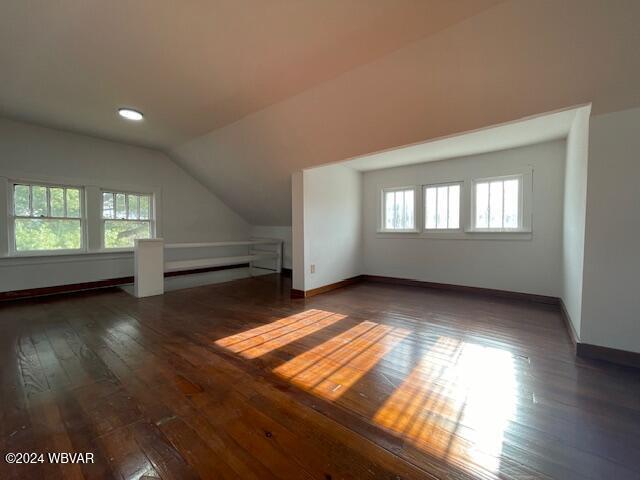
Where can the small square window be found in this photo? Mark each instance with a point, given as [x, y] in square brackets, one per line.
[442, 206]
[398, 209]
[498, 204]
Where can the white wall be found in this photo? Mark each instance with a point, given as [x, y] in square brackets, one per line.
[529, 263]
[611, 291]
[299, 246]
[574, 213]
[189, 211]
[332, 225]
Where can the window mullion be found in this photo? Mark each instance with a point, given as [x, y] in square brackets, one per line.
[30, 201]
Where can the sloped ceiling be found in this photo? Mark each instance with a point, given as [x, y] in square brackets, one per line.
[244, 92]
[527, 131]
[517, 59]
[191, 66]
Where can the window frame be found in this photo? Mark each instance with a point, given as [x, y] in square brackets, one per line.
[382, 213]
[11, 217]
[523, 225]
[460, 228]
[102, 219]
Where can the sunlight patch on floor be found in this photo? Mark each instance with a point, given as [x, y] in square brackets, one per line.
[331, 368]
[455, 404]
[266, 338]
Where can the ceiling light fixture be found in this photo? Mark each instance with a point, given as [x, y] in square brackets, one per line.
[130, 114]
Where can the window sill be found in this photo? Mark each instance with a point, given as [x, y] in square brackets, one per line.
[397, 231]
[64, 253]
[46, 253]
[448, 235]
[498, 230]
[67, 257]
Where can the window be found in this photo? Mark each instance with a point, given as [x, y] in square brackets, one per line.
[46, 217]
[125, 217]
[498, 203]
[442, 207]
[398, 209]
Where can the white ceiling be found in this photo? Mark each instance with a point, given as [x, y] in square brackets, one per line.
[527, 131]
[517, 59]
[191, 66]
[242, 93]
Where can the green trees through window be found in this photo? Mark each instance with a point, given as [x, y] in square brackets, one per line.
[50, 217]
[126, 216]
[46, 234]
[47, 218]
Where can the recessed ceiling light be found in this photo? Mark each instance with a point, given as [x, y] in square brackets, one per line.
[130, 114]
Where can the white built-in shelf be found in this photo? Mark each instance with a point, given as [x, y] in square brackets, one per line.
[150, 265]
[223, 244]
[179, 265]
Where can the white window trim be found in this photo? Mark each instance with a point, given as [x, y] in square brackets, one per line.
[92, 205]
[11, 218]
[467, 214]
[102, 220]
[416, 210]
[525, 196]
[460, 213]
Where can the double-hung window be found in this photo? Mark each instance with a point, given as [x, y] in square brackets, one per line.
[398, 209]
[498, 203]
[125, 217]
[442, 206]
[46, 218]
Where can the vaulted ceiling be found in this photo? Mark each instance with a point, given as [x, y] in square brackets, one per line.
[191, 66]
[517, 59]
[242, 93]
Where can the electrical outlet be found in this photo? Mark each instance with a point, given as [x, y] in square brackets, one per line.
[313, 268]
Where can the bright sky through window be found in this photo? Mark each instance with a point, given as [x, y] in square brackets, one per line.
[399, 208]
[442, 207]
[497, 204]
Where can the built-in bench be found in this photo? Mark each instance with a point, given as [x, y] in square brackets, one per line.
[150, 264]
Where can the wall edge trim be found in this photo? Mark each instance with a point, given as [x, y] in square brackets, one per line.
[106, 283]
[568, 325]
[625, 358]
[531, 297]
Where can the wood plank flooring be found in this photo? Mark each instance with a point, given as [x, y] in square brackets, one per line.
[371, 381]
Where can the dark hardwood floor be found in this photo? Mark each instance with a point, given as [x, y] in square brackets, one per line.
[370, 381]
